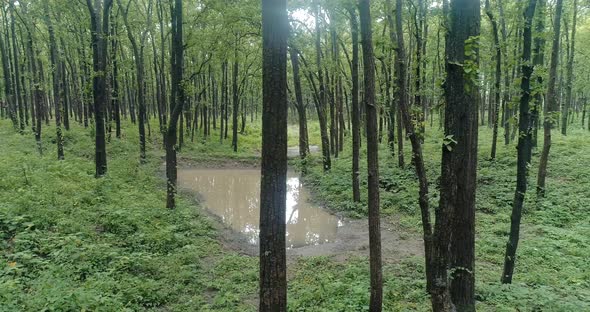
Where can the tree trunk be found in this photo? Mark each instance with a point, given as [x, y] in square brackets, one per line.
[570, 73]
[15, 53]
[524, 145]
[459, 153]
[498, 78]
[273, 184]
[177, 102]
[538, 60]
[56, 87]
[321, 98]
[303, 137]
[551, 107]
[376, 301]
[236, 100]
[356, 132]
[99, 29]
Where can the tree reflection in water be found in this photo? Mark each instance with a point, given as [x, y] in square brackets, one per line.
[234, 194]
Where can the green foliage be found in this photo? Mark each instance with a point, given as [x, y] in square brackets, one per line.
[70, 242]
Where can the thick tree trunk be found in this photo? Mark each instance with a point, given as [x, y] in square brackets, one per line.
[273, 186]
[524, 145]
[459, 153]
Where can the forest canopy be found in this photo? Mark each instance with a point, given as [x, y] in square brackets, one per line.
[447, 142]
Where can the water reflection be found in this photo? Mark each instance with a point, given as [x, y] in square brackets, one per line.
[233, 195]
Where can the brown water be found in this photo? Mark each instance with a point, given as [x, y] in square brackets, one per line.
[234, 195]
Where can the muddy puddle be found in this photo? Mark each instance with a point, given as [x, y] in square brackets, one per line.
[234, 194]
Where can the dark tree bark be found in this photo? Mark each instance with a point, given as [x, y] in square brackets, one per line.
[321, 97]
[356, 132]
[236, 100]
[570, 73]
[551, 107]
[115, 100]
[99, 28]
[301, 108]
[273, 186]
[57, 91]
[16, 68]
[459, 154]
[538, 61]
[8, 90]
[498, 78]
[139, 59]
[177, 102]
[524, 145]
[437, 288]
[376, 301]
[34, 62]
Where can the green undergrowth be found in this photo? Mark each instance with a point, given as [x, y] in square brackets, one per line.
[71, 242]
[551, 270]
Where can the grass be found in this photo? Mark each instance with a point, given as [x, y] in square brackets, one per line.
[70, 242]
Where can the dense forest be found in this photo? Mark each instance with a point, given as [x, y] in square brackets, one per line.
[386, 155]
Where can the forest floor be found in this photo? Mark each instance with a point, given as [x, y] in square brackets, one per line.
[70, 242]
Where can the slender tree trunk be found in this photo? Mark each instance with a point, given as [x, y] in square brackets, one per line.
[321, 98]
[570, 73]
[16, 68]
[439, 291]
[538, 61]
[498, 78]
[524, 145]
[100, 25]
[56, 87]
[376, 301]
[177, 102]
[551, 107]
[236, 101]
[303, 137]
[356, 133]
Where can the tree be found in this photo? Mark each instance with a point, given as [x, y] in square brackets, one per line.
[57, 89]
[459, 152]
[320, 100]
[356, 132]
[570, 72]
[497, 75]
[177, 102]
[301, 108]
[273, 185]
[551, 107]
[372, 157]
[99, 21]
[524, 145]
[138, 56]
[16, 67]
